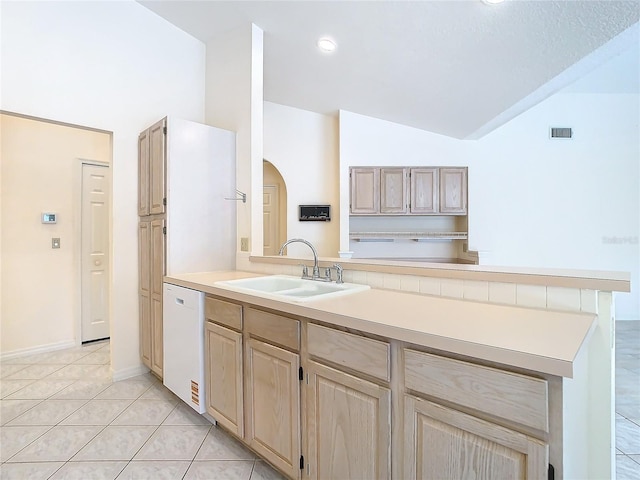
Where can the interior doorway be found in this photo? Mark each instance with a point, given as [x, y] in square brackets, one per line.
[40, 232]
[271, 220]
[274, 209]
[95, 252]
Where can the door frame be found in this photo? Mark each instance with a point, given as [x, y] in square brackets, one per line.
[77, 200]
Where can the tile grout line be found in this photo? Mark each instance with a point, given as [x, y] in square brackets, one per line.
[111, 424]
[53, 426]
[40, 402]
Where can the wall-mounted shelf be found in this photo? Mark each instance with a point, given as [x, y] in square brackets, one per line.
[415, 236]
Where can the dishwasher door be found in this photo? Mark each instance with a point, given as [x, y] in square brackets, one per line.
[183, 343]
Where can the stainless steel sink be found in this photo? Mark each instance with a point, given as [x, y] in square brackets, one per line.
[291, 288]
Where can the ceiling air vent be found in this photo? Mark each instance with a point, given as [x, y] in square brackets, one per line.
[561, 132]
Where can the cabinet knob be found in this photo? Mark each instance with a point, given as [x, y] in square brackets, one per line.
[98, 263]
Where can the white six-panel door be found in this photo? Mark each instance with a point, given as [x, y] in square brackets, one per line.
[271, 220]
[95, 252]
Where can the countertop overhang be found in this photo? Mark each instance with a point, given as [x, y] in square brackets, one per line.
[539, 340]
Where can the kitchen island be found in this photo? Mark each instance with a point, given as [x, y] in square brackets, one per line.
[374, 378]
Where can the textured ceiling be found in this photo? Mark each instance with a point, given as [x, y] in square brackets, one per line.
[454, 67]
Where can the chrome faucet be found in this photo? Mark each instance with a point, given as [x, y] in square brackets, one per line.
[315, 275]
[316, 270]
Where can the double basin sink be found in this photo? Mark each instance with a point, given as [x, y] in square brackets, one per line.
[291, 288]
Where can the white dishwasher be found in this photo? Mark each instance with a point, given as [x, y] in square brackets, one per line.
[183, 344]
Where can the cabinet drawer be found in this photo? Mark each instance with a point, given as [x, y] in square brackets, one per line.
[225, 313]
[358, 353]
[506, 395]
[282, 331]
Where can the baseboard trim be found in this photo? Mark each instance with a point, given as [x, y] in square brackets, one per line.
[25, 352]
[125, 373]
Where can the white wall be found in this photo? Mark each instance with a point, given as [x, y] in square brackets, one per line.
[114, 66]
[41, 289]
[533, 201]
[234, 70]
[560, 203]
[303, 146]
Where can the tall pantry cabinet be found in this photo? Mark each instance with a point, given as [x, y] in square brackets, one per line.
[185, 171]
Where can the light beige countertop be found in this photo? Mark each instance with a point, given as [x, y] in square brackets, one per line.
[534, 339]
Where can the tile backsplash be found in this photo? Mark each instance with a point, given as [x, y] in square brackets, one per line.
[535, 296]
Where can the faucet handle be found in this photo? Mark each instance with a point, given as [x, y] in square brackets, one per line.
[305, 270]
[327, 273]
[338, 268]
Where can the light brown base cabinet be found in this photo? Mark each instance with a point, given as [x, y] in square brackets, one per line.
[223, 367]
[321, 403]
[273, 405]
[348, 426]
[151, 265]
[441, 442]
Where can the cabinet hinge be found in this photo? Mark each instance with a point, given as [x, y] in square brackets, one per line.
[551, 473]
[164, 230]
[301, 462]
[164, 201]
[164, 129]
[300, 374]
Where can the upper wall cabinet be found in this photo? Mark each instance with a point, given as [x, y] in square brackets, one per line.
[424, 191]
[151, 169]
[393, 191]
[408, 191]
[365, 191]
[453, 191]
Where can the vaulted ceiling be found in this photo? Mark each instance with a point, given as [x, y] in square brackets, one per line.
[458, 67]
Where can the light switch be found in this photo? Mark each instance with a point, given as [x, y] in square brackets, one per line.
[55, 243]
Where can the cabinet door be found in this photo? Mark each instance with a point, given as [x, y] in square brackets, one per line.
[348, 426]
[365, 191]
[157, 165]
[453, 191]
[143, 174]
[144, 287]
[424, 190]
[273, 405]
[223, 376]
[445, 443]
[157, 272]
[393, 190]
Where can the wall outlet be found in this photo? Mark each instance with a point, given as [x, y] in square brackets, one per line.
[244, 244]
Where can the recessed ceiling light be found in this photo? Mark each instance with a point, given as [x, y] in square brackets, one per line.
[326, 44]
[492, 2]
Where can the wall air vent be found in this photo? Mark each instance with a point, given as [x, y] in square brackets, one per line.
[561, 132]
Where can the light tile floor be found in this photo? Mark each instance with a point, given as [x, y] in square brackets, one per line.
[628, 400]
[61, 417]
